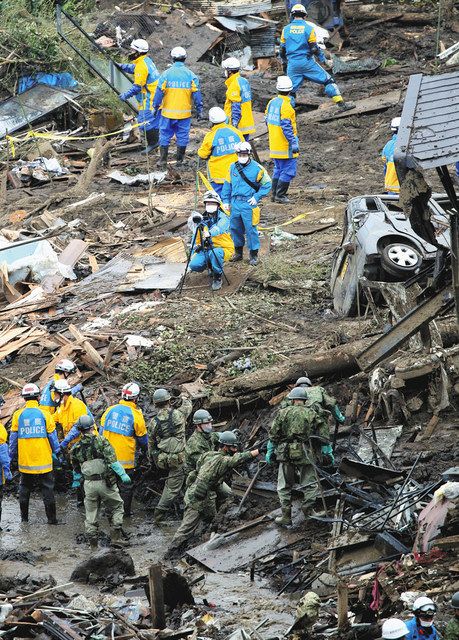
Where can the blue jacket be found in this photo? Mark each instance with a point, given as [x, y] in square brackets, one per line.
[299, 41]
[419, 633]
[235, 187]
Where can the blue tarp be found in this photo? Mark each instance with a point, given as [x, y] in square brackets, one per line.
[60, 80]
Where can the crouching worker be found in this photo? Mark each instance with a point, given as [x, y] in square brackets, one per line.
[94, 461]
[213, 244]
[201, 495]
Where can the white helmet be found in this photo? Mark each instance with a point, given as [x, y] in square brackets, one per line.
[395, 123]
[65, 366]
[231, 64]
[393, 629]
[299, 8]
[178, 53]
[140, 45]
[243, 147]
[30, 390]
[424, 604]
[217, 115]
[62, 386]
[284, 83]
[211, 196]
[130, 391]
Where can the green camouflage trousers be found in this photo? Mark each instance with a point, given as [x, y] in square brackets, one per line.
[96, 495]
[290, 475]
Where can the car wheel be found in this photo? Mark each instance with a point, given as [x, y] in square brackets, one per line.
[400, 259]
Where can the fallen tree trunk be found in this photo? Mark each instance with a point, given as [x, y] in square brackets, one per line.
[340, 360]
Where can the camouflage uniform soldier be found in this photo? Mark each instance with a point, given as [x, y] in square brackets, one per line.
[200, 442]
[319, 399]
[201, 495]
[94, 461]
[289, 439]
[166, 436]
[452, 628]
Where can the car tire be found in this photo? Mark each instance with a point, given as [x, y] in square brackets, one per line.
[400, 259]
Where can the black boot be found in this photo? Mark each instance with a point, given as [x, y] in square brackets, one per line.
[281, 195]
[152, 136]
[345, 106]
[217, 282]
[180, 155]
[24, 507]
[50, 509]
[238, 253]
[253, 258]
[163, 153]
[275, 182]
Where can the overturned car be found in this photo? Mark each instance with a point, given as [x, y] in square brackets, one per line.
[380, 244]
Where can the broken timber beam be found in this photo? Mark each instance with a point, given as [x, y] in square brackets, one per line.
[92, 354]
[367, 105]
[155, 583]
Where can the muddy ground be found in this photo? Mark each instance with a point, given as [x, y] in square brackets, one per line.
[288, 293]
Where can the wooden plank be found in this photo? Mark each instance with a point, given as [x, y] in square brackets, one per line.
[155, 583]
[92, 354]
[69, 257]
[367, 105]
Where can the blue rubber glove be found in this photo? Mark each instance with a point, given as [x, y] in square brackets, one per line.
[77, 388]
[119, 470]
[76, 480]
[270, 452]
[295, 147]
[327, 454]
[338, 415]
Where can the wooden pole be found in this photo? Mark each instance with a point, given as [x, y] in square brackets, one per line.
[343, 602]
[155, 581]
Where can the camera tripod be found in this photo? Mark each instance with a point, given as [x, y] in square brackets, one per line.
[206, 245]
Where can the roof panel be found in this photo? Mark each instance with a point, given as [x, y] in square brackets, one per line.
[428, 136]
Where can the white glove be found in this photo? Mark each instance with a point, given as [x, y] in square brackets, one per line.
[252, 202]
[206, 233]
[226, 206]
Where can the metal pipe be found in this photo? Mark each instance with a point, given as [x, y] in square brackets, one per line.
[400, 492]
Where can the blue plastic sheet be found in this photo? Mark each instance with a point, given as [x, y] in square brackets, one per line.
[60, 80]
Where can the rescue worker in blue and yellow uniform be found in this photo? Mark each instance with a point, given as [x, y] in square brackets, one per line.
[178, 88]
[123, 425]
[5, 471]
[63, 370]
[218, 148]
[34, 443]
[246, 184]
[213, 244]
[145, 81]
[298, 50]
[238, 102]
[69, 409]
[283, 140]
[391, 183]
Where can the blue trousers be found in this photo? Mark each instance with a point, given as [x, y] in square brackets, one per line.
[201, 260]
[241, 226]
[285, 169]
[168, 128]
[216, 187]
[147, 120]
[309, 69]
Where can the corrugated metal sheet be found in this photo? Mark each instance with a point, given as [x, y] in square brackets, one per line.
[429, 130]
[263, 42]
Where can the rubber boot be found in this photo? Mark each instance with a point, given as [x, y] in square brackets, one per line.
[217, 282]
[285, 520]
[93, 543]
[180, 155]
[345, 106]
[118, 538]
[253, 258]
[24, 507]
[163, 153]
[238, 254]
[274, 189]
[51, 513]
[281, 195]
[152, 136]
[159, 515]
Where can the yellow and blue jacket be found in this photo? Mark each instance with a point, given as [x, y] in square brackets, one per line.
[391, 182]
[178, 88]
[218, 149]
[4, 455]
[282, 131]
[123, 425]
[299, 41]
[219, 232]
[238, 104]
[145, 81]
[33, 439]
